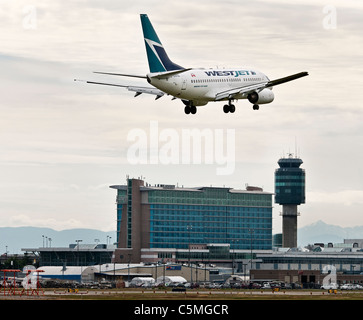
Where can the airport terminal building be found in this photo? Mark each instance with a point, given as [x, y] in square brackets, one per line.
[178, 224]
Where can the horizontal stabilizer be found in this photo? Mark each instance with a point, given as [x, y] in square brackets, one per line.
[139, 90]
[167, 73]
[121, 74]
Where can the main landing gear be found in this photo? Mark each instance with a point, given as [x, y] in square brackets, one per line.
[256, 107]
[190, 109]
[229, 108]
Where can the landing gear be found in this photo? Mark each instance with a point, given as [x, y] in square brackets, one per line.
[256, 107]
[229, 108]
[190, 109]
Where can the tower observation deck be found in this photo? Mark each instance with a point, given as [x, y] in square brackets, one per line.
[289, 192]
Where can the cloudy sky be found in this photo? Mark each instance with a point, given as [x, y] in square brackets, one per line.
[63, 143]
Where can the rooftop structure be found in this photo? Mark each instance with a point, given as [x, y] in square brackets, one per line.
[75, 255]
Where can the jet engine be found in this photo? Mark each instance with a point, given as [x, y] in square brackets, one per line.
[265, 96]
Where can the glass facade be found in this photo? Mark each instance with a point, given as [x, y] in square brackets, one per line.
[181, 217]
[121, 203]
[129, 212]
[74, 257]
[342, 262]
[177, 226]
[119, 217]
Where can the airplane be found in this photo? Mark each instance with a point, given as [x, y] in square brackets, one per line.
[198, 86]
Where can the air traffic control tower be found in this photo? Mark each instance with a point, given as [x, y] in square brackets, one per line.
[289, 192]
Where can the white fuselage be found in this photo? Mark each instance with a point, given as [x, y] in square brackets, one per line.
[203, 85]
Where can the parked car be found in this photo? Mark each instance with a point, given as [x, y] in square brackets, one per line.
[347, 286]
[286, 286]
[266, 285]
[296, 286]
[275, 285]
[254, 285]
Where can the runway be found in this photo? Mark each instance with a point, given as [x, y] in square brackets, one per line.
[207, 294]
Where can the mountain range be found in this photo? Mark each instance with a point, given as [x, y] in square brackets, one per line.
[323, 232]
[13, 239]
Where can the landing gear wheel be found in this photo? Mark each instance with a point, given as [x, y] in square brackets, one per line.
[229, 108]
[193, 109]
[256, 107]
[187, 110]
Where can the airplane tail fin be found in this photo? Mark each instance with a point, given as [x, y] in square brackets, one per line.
[156, 54]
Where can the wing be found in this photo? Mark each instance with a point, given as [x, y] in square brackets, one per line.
[287, 79]
[244, 91]
[138, 90]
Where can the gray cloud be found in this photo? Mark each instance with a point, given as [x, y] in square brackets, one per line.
[57, 134]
